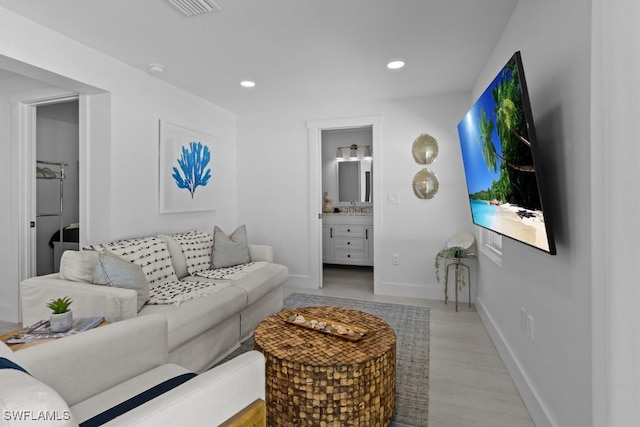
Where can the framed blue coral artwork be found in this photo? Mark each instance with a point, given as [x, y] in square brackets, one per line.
[187, 173]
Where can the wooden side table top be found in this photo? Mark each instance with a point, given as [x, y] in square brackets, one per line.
[297, 344]
[31, 343]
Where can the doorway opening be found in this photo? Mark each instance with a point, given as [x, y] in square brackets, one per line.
[347, 211]
[316, 199]
[57, 184]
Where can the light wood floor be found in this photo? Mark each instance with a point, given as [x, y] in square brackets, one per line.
[468, 383]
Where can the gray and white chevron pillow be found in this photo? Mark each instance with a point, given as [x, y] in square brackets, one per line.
[111, 270]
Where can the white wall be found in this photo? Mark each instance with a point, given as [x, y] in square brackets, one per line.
[615, 151]
[8, 224]
[552, 371]
[273, 185]
[129, 188]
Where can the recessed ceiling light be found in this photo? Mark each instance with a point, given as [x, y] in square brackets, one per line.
[156, 68]
[247, 83]
[395, 65]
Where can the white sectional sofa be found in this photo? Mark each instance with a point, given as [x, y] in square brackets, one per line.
[82, 378]
[201, 331]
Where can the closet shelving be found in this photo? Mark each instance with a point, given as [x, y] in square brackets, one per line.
[44, 171]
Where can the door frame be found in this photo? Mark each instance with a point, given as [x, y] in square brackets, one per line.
[315, 128]
[24, 155]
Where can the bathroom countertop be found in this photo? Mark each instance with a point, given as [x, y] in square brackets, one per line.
[345, 218]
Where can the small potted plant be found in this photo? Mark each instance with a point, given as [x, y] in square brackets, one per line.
[61, 317]
[456, 253]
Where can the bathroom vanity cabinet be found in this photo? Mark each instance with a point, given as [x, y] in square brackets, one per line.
[347, 239]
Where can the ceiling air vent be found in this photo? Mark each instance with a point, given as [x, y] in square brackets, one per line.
[194, 7]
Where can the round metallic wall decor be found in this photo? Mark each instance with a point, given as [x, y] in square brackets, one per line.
[425, 184]
[424, 149]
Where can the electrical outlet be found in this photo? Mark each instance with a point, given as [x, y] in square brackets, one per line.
[523, 319]
[395, 259]
[530, 327]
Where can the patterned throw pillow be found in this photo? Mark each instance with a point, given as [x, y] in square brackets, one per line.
[150, 253]
[111, 270]
[230, 250]
[197, 248]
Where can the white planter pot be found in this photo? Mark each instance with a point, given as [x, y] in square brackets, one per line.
[61, 322]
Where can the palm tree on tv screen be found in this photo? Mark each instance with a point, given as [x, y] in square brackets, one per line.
[488, 149]
[489, 152]
[517, 183]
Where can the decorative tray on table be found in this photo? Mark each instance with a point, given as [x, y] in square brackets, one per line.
[324, 326]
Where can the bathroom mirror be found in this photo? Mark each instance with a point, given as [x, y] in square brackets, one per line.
[354, 181]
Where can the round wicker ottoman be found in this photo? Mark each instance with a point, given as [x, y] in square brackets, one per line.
[314, 379]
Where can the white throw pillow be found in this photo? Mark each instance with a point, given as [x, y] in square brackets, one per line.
[26, 401]
[178, 259]
[78, 266]
[230, 250]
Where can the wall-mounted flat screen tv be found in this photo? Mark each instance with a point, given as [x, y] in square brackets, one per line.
[500, 156]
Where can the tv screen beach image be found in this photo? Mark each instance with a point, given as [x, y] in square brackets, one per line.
[497, 146]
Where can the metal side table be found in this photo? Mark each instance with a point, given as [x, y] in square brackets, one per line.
[457, 264]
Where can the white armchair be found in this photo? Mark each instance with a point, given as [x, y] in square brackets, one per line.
[73, 379]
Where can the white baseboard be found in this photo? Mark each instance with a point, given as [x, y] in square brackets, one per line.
[9, 313]
[302, 281]
[409, 290]
[539, 413]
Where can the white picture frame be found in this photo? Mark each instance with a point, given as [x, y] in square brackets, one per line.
[187, 180]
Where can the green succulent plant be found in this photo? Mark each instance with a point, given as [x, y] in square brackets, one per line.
[60, 305]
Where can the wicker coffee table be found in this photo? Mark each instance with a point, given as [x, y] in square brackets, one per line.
[314, 379]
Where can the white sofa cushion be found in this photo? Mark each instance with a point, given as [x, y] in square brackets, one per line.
[193, 317]
[78, 266]
[92, 362]
[260, 282]
[209, 399]
[230, 250]
[123, 391]
[177, 257]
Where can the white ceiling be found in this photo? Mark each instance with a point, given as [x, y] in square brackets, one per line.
[299, 52]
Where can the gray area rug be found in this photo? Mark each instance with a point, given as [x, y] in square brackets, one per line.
[411, 325]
